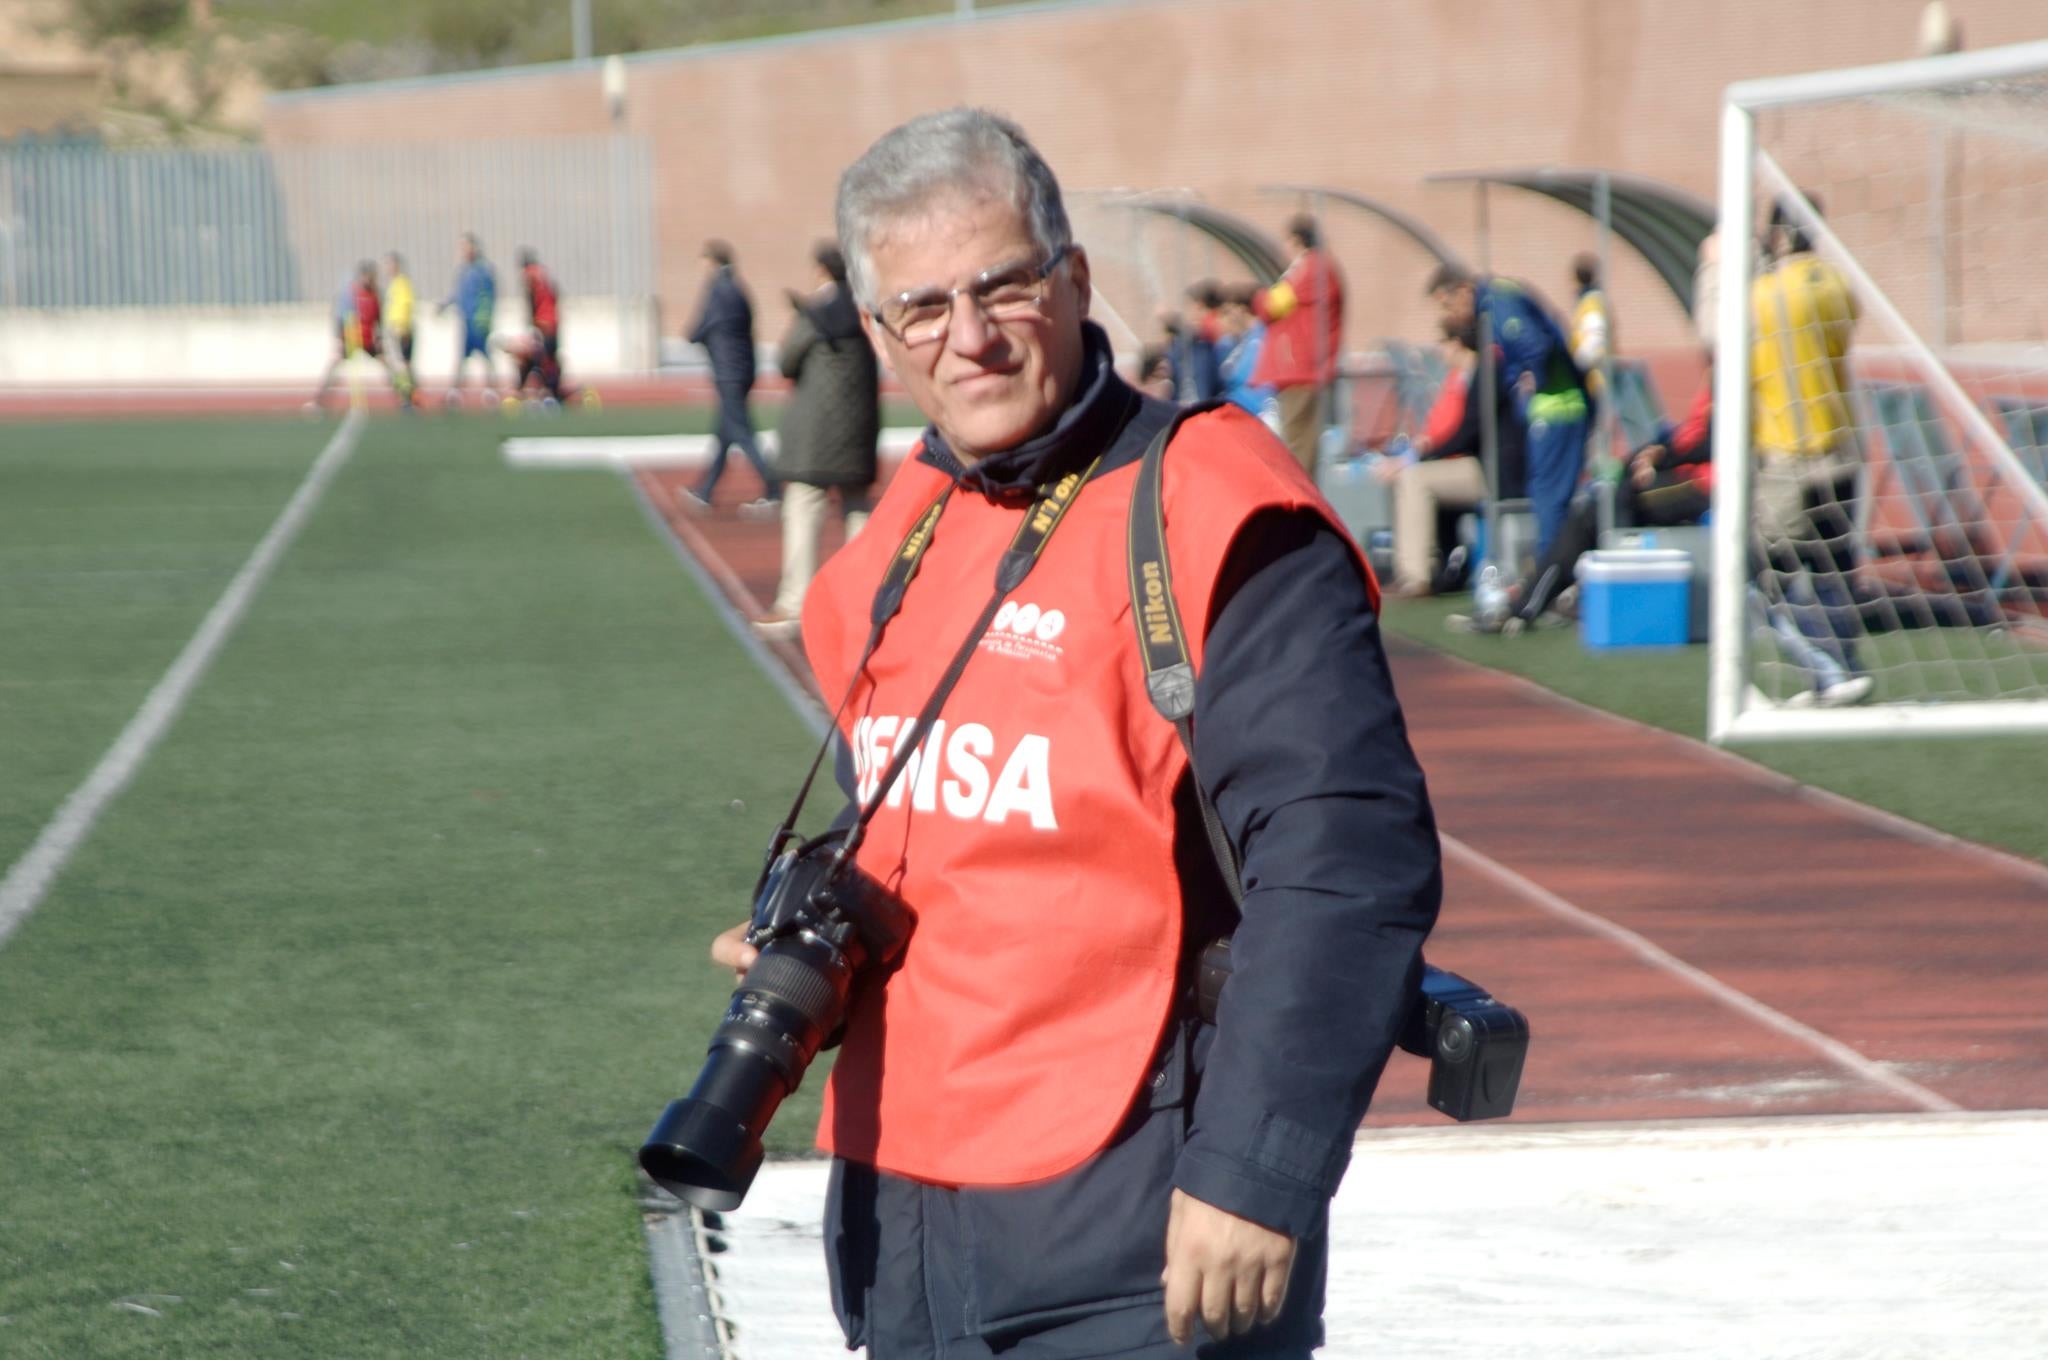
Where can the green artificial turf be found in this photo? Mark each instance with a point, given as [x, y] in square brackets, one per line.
[338, 1036]
[1988, 789]
[114, 542]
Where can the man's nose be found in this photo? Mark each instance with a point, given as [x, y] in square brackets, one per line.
[969, 332]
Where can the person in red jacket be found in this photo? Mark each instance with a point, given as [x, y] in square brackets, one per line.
[1304, 316]
[544, 305]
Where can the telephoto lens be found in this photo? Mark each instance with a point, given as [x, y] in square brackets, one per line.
[818, 923]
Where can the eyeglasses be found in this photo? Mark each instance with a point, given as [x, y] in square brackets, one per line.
[922, 316]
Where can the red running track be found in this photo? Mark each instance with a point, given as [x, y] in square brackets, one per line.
[1689, 934]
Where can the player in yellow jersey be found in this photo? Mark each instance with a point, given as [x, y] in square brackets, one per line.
[1592, 328]
[1802, 431]
[399, 304]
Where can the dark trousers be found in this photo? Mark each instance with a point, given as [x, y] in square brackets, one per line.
[1670, 499]
[1065, 1269]
[736, 430]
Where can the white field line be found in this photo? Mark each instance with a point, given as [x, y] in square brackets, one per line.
[31, 876]
[1834, 1050]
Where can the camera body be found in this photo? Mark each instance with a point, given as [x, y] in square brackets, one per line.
[819, 922]
[1475, 1044]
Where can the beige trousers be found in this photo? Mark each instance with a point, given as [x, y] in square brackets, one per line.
[803, 519]
[1418, 491]
[1786, 483]
[1301, 423]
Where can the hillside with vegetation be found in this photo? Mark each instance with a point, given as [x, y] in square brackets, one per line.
[197, 70]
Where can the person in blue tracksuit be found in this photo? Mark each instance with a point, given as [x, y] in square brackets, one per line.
[475, 299]
[1540, 383]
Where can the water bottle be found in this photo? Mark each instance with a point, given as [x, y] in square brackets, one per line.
[1489, 596]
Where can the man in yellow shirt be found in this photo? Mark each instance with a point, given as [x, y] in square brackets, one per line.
[1802, 432]
[399, 301]
[1592, 329]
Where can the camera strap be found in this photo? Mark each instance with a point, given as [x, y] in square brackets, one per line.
[1162, 639]
[1029, 543]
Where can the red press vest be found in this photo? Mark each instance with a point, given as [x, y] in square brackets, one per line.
[1033, 835]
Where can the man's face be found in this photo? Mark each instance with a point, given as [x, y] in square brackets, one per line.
[1454, 309]
[987, 385]
[465, 250]
[391, 266]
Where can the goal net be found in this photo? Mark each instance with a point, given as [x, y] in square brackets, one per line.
[1881, 381]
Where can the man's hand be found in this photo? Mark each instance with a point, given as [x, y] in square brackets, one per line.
[731, 950]
[1643, 467]
[1387, 471]
[1229, 1270]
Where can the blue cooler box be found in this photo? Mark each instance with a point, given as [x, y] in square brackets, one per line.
[1635, 597]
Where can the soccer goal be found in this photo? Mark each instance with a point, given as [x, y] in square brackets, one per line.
[1880, 555]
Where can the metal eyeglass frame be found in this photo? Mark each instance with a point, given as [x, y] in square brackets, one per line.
[1039, 278]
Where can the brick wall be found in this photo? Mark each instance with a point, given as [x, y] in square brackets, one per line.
[1219, 96]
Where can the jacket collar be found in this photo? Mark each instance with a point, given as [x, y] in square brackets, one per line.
[1085, 429]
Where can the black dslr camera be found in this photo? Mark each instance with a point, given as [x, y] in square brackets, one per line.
[818, 922]
[1475, 1044]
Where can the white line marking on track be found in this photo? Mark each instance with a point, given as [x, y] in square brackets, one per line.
[2017, 865]
[715, 579]
[31, 876]
[1834, 1050]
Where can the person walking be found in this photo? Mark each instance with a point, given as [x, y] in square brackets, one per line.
[724, 326]
[828, 431]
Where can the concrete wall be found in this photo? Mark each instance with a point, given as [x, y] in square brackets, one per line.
[257, 346]
[1221, 96]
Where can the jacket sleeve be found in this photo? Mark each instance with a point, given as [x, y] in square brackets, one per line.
[796, 345]
[707, 315]
[1464, 440]
[1300, 740]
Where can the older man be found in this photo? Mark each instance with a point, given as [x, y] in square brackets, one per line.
[1041, 1150]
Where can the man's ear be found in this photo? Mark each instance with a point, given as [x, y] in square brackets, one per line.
[1077, 266]
[874, 335]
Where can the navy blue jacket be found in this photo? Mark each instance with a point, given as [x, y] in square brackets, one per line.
[725, 327]
[1300, 742]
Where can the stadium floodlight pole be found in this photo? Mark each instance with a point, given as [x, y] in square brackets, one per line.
[579, 29]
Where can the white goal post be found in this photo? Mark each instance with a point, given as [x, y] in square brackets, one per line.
[1881, 359]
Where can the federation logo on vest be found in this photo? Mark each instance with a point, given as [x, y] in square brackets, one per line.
[1024, 632]
[950, 773]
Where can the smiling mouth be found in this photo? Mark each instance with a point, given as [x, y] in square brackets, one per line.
[987, 378]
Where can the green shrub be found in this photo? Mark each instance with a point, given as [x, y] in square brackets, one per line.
[145, 19]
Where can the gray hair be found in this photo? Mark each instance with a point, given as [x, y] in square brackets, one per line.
[960, 149]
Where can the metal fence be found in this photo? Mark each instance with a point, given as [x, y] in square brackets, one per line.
[88, 226]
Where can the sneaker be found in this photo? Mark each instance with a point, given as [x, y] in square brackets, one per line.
[761, 508]
[688, 496]
[1844, 693]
